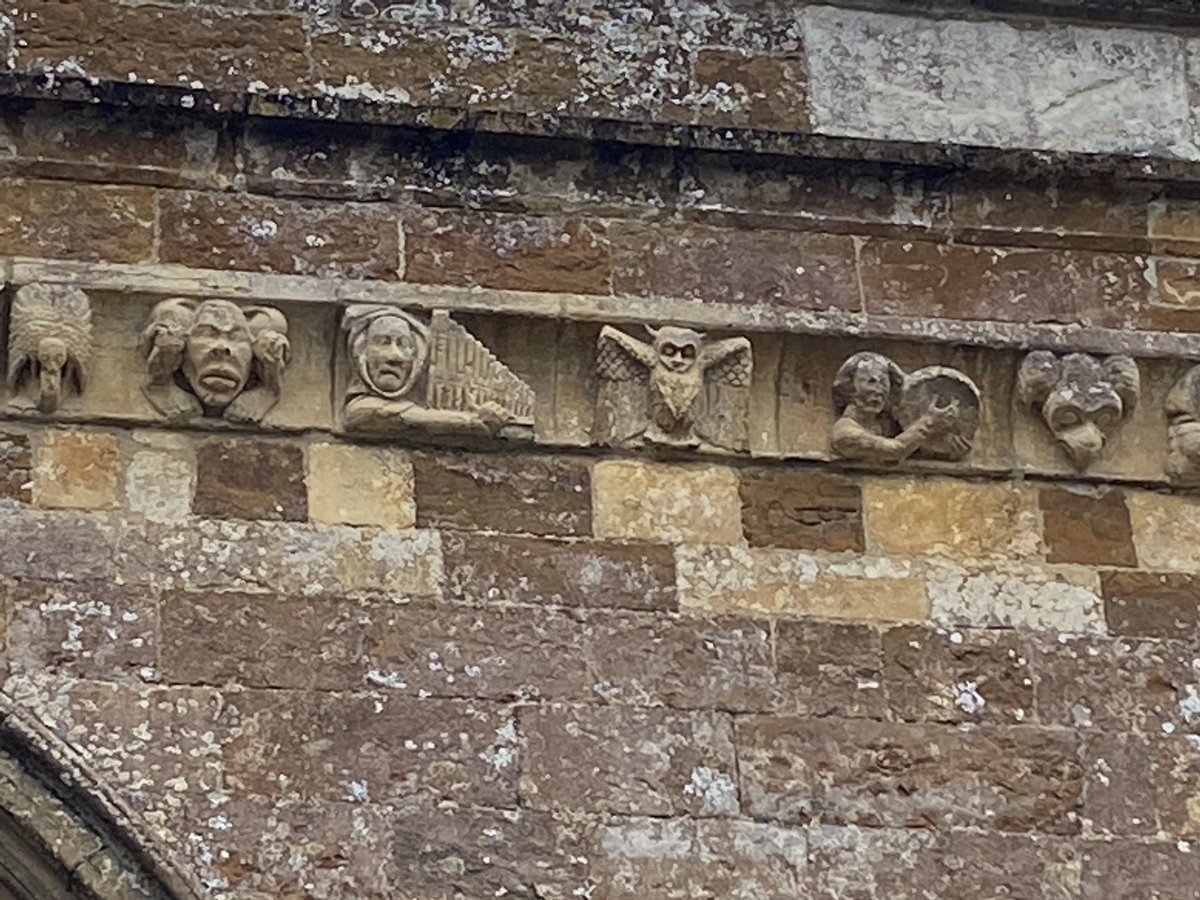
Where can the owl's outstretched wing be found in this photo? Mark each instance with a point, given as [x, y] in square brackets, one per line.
[727, 362]
[620, 357]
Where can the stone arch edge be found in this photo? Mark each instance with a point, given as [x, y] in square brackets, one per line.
[70, 815]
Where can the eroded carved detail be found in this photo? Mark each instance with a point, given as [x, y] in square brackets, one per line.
[1081, 398]
[1183, 429]
[435, 377]
[683, 390]
[49, 345]
[885, 415]
[215, 358]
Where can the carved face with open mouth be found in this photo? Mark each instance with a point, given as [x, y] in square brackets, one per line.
[390, 355]
[220, 352]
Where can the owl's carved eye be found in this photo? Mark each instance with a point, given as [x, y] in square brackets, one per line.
[689, 352]
[669, 350]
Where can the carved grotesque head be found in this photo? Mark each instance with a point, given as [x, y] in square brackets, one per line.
[1081, 398]
[49, 342]
[390, 349]
[677, 348]
[219, 356]
[869, 381]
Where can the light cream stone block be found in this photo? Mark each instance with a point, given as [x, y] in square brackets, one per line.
[1166, 530]
[349, 485]
[671, 503]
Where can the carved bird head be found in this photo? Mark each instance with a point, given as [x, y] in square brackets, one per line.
[677, 348]
[51, 357]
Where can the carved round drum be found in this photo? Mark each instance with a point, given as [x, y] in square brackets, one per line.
[941, 388]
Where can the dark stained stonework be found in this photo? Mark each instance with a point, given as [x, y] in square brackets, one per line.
[249, 479]
[533, 495]
[801, 510]
[1086, 528]
[1151, 604]
[16, 461]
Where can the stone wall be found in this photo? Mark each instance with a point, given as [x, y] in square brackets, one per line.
[459, 650]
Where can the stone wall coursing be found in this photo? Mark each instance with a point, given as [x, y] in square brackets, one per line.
[795, 68]
[471, 675]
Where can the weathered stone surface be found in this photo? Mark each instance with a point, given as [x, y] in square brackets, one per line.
[110, 223]
[250, 479]
[222, 231]
[675, 859]
[1162, 529]
[160, 479]
[378, 747]
[1142, 786]
[628, 761]
[534, 495]
[1092, 529]
[765, 581]
[76, 469]
[957, 676]
[1059, 600]
[1108, 685]
[350, 485]
[514, 252]
[801, 510]
[1164, 871]
[16, 468]
[850, 863]
[914, 79]
[1148, 604]
[830, 669]
[84, 629]
[859, 772]
[397, 65]
[58, 545]
[923, 278]
[447, 852]
[739, 89]
[958, 519]
[214, 48]
[500, 568]
[672, 504]
[790, 269]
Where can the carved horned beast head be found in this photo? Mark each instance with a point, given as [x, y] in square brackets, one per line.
[1082, 398]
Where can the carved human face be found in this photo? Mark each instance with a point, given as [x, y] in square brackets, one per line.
[677, 348]
[220, 351]
[872, 385]
[389, 353]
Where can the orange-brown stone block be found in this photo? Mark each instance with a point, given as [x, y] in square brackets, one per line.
[1086, 528]
[801, 510]
[109, 223]
[76, 469]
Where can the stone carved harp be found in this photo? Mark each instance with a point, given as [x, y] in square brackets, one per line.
[464, 375]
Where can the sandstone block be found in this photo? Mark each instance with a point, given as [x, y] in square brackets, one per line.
[16, 468]
[674, 859]
[531, 495]
[668, 503]
[1060, 600]
[260, 234]
[771, 582]
[1149, 604]
[250, 479]
[109, 223]
[372, 747]
[853, 862]
[160, 483]
[500, 568]
[58, 546]
[748, 90]
[801, 510]
[830, 669]
[400, 65]
[877, 774]
[628, 761]
[1114, 685]
[785, 269]
[83, 629]
[76, 470]
[522, 253]
[932, 675]
[218, 48]
[1142, 786]
[918, 517]
[924, 278]
[350, 485]
[1089, 529]
[1163, 525]
[1164, 870]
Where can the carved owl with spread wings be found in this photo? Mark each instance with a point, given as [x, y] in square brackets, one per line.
[680, 390]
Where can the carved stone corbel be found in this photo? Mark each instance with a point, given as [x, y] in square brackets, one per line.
[885, 415]
[408, 374]
[681, 390]
[49, 345]
[1183, 429]
[1081, 398]
[214, 358]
